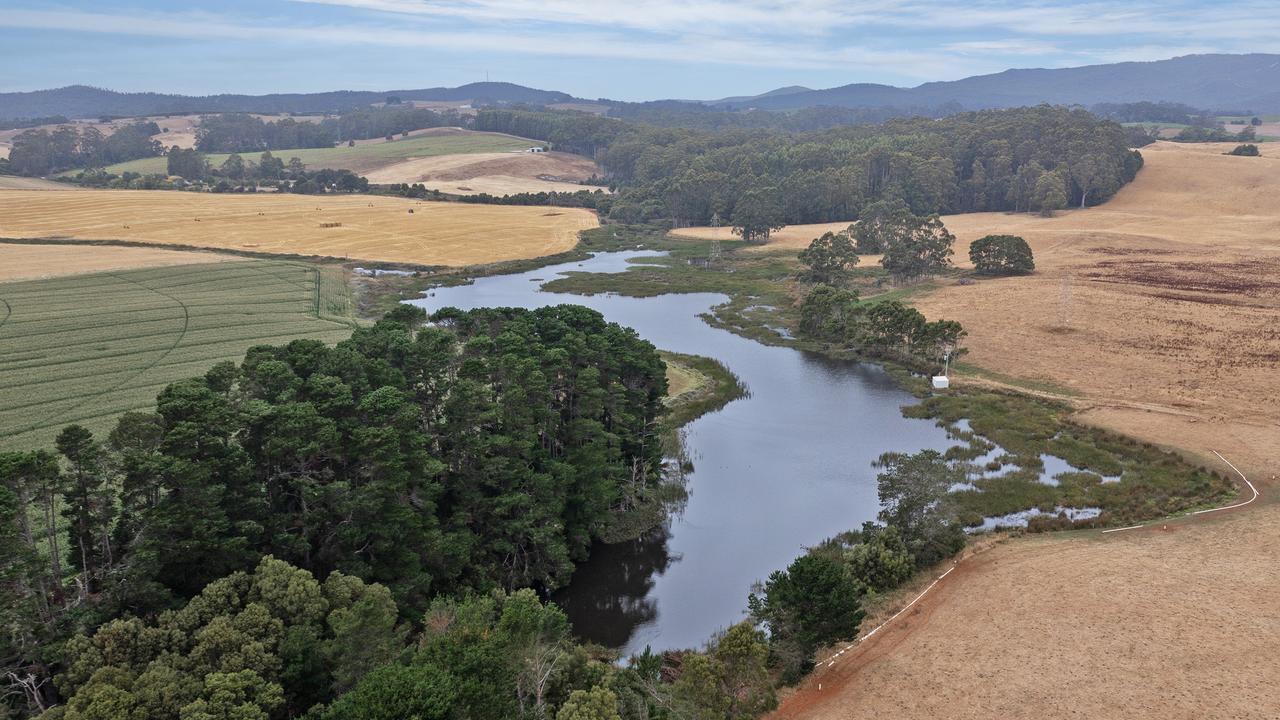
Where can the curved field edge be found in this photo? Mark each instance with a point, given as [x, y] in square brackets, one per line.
[87, 348]
[353, 228]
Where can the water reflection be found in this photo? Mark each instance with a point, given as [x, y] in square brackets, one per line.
[780, 470]
[611, 597]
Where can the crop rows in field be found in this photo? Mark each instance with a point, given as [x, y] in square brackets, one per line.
[87, 348]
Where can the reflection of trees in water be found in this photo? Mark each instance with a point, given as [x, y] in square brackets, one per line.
[608, 598]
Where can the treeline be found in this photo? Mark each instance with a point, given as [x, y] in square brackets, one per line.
[1214, 133]
[1148, 112]
[678, 114]
[989, 160]
[19, 123]
[237, 173]
[235, 132]
[41, 152]
[579, 133]
[597, 199]
[486, 450]
[888, 328]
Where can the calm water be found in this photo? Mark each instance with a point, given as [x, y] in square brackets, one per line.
[773, 473]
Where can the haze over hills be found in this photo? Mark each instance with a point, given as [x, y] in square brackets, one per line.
[78, 101]
[1214, 82]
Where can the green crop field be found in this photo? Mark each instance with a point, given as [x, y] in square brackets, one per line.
[87, 348]
[363, 158]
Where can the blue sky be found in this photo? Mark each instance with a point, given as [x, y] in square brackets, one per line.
[623, 49]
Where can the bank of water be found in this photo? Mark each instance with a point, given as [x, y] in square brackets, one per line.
[774, 472]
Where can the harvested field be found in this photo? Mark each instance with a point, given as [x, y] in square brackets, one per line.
[1143, 625]
[493, 173]
[369, 228]
[22, 261]
[90, 347]
[368, 156]
[1161, 311]
[1167, 295]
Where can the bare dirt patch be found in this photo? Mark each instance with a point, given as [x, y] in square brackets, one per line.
[20, 261]
[494, 173]
[356, 226]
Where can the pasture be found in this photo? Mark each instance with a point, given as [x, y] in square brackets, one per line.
[360, 227]
[84, 349]
[367, 156]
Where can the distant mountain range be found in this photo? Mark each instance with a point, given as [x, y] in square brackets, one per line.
[80, 101]
[1212, 82]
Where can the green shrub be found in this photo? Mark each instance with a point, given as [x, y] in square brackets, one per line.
[1002, 255]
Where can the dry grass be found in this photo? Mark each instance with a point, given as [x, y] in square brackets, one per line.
[1166, 299]
[1161, 309]
[1123, 626]
[35, 262]
[498, 173]
[371, 228]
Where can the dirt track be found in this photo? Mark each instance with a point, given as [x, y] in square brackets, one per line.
[1176, 623]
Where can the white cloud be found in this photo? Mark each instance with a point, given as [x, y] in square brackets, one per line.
[867, 39]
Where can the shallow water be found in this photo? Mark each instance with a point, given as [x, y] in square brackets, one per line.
[780, 470]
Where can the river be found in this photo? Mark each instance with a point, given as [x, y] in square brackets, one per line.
[775, 472]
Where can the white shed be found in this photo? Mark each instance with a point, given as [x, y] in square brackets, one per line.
[941, 382]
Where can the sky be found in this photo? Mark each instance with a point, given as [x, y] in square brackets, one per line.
[619, 49]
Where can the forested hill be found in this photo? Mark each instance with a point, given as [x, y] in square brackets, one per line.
[78, 101]
[1037, 158]
[1235, 83]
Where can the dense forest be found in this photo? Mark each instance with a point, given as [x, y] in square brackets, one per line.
[990, 160]
[361, 531]
[485, 450]
[679, 114]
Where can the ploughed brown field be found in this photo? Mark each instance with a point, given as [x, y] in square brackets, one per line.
[1158, 315]
[359, 227]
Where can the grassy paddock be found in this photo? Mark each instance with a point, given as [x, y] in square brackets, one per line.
[360, 158]
[87, 348]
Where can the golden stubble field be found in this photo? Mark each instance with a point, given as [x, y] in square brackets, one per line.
[22, 261]
[1158, 313]
[358, 227]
